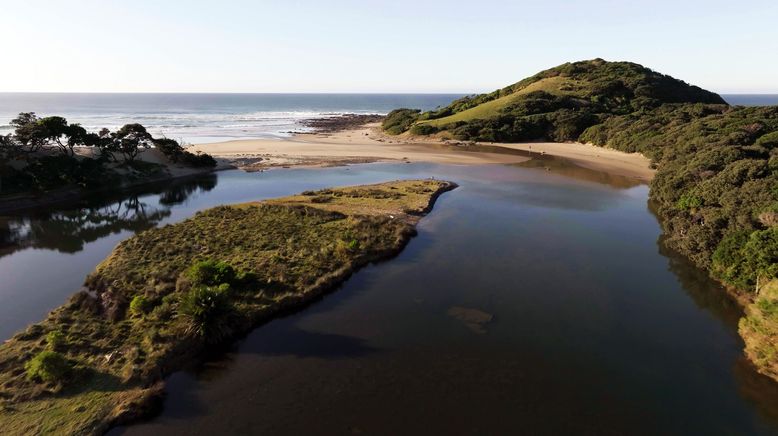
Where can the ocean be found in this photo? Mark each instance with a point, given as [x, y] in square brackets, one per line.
[200, 118]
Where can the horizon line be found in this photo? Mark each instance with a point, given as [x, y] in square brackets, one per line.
[316, 92]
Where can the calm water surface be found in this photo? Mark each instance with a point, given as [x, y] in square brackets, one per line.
[596, 328]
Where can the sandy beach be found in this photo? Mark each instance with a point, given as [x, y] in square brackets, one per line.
[369, 144]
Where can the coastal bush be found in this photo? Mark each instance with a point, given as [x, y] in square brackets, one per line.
[400, 120]
[212, 273]
[130, 140]
[8, 146]
[769, 140]
[174, 151]
[759, 329]
[35, 138]
[140, 305]
[205, 310]
[744, 259]
[34, 133]
[423, 129]
[56, 340]
[689, 201]
[48, 366]
[570, 97]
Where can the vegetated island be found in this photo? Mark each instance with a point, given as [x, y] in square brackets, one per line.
[716, 187]
[48, 159]
[165, 295]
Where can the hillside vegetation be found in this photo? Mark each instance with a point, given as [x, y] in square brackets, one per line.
[716, 188]
[555, 104]
[165, 294]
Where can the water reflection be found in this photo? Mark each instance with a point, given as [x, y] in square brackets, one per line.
[591, 332]
[757, 389]
[554, 164]
[66, 229]
[570, 169]
[709, 295]
[706, 293]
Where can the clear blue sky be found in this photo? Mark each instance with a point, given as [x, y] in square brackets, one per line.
[370, 46]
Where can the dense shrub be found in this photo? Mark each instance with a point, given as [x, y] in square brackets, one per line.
[759, 329]
[56, 340]
[206, 309]
[48, 366]
[688, 201]
[212, 273]
[400, 120]
[744, 258]
[588, 88]
[174, 151]
[423, 129]
[140, 305]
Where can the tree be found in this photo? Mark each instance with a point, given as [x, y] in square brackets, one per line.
[177, 154]
[34, 133]
[131, 140]
[8, 144]
[27, 131]
[56, 131]
[170, 148]
[75, 135]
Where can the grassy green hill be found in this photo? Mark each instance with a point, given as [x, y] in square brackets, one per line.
[555, 104]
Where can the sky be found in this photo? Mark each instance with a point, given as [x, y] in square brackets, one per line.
[396, 46]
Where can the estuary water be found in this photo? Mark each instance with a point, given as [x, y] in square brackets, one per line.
[536, 298]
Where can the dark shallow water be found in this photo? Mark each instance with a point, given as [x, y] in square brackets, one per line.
[596, 327]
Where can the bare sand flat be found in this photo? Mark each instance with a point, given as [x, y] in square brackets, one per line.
[368, 144]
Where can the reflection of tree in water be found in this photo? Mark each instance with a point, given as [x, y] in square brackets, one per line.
[178, 194]
[705, 292]
[67, 229]
[569, 168]
[755, 388]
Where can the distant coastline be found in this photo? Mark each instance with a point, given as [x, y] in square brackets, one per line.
[204, 118]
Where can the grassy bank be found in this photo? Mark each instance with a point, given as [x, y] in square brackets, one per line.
[165, 295]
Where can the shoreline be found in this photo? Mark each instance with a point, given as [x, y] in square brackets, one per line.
[342, 144]
[137, 395]
[26, 201]
[171, 172]
[368, 144]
